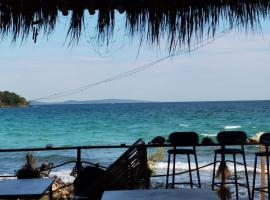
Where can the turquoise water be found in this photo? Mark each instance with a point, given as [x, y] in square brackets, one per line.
[62, 125]
[101, 124]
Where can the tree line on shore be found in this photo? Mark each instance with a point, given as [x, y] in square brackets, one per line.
[12, 99]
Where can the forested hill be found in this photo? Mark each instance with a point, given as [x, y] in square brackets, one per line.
[8, 99]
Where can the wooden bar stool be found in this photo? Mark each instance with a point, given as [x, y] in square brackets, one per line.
[227, 138]
[264, 140]
[181, 139]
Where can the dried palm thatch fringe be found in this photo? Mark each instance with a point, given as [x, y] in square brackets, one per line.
[178, 22]
[224, 193]
[223, 167]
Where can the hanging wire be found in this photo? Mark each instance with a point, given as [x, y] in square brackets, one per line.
[136, 70]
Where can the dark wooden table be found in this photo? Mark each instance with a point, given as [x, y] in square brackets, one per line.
[161, 194]
[25, 188]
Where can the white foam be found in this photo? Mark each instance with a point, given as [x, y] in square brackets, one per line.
[183, 125]
[183, 166]
[209, 135]
[232, 126]
[64, 175]
[180, 166]
[8, 176]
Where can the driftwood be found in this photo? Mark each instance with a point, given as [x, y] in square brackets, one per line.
[29, 170]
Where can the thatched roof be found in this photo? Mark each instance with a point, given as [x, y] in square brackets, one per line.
[177, 21]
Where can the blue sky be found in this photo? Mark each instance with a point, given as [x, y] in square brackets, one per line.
[234, 67]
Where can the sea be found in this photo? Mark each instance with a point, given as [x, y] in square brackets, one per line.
[124, 123]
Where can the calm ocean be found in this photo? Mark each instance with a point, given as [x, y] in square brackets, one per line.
[101, 124]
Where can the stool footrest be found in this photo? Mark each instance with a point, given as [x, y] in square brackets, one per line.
[264, 189]
[231, 161]
[184, 183]
[230, 182]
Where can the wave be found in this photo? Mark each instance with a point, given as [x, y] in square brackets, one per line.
[160, 168]
[183, 166]
[8, 176]
[64, 175]
[209, 135]
[183, 125]
[232, 127]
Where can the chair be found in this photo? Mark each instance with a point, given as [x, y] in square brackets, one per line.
[181, 139]
[264, 140]
[129, 171]
[227, 138]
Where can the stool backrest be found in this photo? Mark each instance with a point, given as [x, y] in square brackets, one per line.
[232, 137]
[183, 138]
[265, 139]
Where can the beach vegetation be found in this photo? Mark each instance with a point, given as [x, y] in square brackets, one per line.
[154, 158]
[29, 170]
[207, 140]
[9, 99]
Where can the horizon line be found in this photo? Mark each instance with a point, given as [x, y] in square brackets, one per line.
[135, 101]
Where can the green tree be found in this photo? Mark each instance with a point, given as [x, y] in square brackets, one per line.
[11, 99]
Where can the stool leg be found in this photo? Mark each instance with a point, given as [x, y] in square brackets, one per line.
[168, 171]
[223, 180]
[50, 193]
[268, 176]
[214, 171]
[197, 169]
[254, 177]
[173, 178]
[190, 175]
[235, 177]
[246, 173]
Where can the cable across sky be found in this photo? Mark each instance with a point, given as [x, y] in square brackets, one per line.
[134, 71]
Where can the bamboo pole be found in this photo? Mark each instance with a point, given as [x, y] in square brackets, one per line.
[262, 172]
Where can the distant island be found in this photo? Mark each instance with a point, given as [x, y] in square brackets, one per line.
[102, 101]
[11, 99]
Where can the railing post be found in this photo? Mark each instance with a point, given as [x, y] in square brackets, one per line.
[78, 166]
